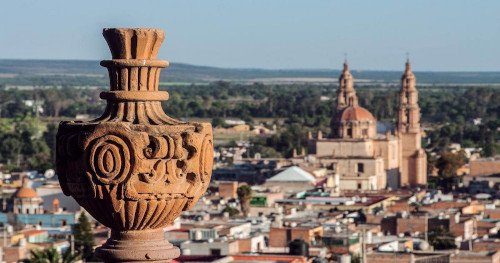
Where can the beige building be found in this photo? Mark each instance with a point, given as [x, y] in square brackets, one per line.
[228, 189]
[364, 159]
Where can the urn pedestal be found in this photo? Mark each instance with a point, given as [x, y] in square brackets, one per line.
[135, 169]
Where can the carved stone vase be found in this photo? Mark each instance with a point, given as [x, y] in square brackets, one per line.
[135, 169]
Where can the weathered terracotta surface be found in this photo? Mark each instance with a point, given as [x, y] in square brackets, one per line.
[135, 169]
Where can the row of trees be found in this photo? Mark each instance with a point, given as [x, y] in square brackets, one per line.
[27, 143]
[466, 134]
[305, 108]
[306, 101]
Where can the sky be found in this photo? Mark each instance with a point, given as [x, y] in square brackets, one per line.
[445, 35]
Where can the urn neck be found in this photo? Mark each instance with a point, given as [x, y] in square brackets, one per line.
[134, 74]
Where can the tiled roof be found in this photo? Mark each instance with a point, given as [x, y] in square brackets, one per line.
[26, 192]
[356, 113]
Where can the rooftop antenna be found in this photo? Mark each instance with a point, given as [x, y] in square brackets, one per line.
[345, 58]
[407, 57]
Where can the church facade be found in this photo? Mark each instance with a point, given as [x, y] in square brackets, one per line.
[362, 159]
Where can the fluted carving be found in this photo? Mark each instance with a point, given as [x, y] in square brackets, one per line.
[135, 169]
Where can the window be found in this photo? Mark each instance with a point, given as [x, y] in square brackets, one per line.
[365, 132]
[359, 186]
[361, 168]
[215, 252]
[349, 132]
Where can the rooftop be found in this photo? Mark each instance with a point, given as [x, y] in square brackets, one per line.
[356, 113]
[293, 174]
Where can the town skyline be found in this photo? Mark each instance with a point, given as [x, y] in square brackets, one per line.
[252, 146]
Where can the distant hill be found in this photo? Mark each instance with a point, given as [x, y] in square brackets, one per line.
[81, 72]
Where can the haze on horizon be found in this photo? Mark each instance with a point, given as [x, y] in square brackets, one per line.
[456, 35]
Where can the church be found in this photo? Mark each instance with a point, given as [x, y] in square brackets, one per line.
[361, 158]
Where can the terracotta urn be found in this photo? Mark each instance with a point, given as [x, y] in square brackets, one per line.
[135, 169]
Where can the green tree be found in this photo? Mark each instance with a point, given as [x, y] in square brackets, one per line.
[448, 164]
[244, 195]
[218, 122]
[40, 160]
[265, 151]
[489, 146]
[68, 257]
[230, 210]
[440, 238]
[10, 148]
[31, 126]
[6, 125]
[355, 258]
[55, 101]
[84, 238]
[50, 255]
[50, 139]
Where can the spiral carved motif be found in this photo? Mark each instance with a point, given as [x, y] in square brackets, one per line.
[206, 160]
[109, 159]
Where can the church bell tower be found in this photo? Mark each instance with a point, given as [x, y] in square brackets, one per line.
[346, 94]
[413, 168]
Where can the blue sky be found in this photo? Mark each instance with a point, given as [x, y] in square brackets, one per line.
[453, 35]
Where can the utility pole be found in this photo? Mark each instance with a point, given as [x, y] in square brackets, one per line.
[4, 237]
[2, 255]
[363, 246]
[426, 235]
[72, 243]
[347, 234]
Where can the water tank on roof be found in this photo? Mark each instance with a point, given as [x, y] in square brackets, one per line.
[369, 237]
[198, 235]
[10, 229]
[423, 245]
[22, 242]
[346, 258]
[298, 247]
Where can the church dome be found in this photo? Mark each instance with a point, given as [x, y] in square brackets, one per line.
[26, 192]
[356, 113]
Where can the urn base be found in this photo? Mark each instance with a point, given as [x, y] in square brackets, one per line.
[137, 246]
